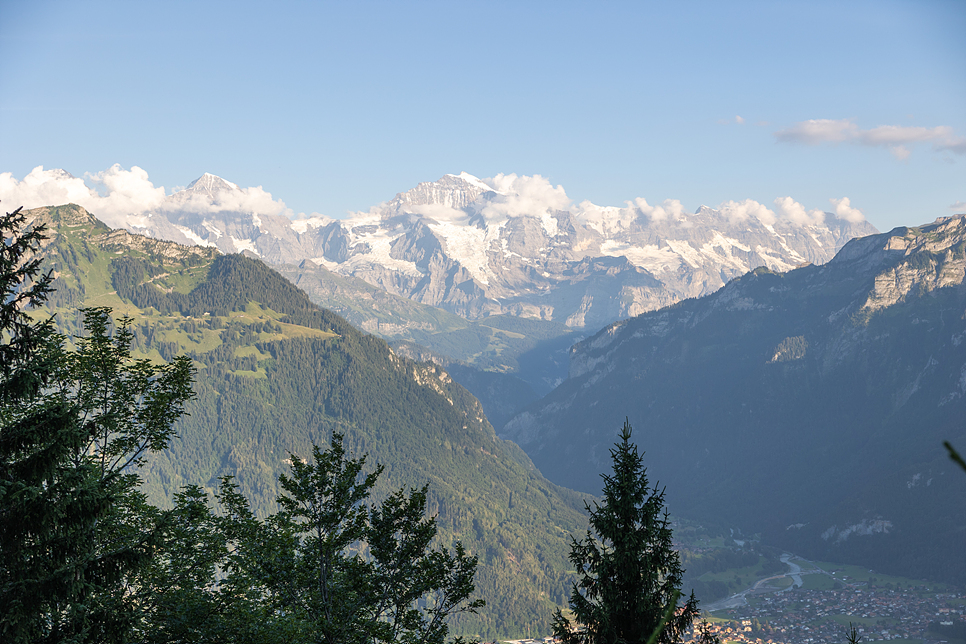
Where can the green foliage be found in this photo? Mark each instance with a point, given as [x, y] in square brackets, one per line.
[45, 504]
[178, 599]
[629, 574]
[127, 406]
[852, 637]
[52, 581]
[339, 570]
[73, 426]
[328, 567]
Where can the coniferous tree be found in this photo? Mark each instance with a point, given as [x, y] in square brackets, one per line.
[45, 506]
[74, 529]
[629, 575]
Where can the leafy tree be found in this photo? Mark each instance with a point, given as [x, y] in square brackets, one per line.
[74, 530]
[339, 570]
[191, 592]
[629, 575]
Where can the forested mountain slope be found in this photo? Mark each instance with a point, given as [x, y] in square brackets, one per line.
[276, 374]
[809, 406]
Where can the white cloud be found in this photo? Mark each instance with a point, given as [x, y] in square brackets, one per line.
[671, 208]
[901, 135]
[959, 205]
[524, 195]
[739, 120]
[126, 191]
[844, 210]
[817, 131]
[42, 188]
[739, 211]
[605, 219]
[895, 137]
[124, 195]
[611, 219]
[900, 152]
[793, 211]
[439, 212]
[254, 200]
[952, 143]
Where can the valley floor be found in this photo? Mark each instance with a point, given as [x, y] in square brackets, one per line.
[814, 603]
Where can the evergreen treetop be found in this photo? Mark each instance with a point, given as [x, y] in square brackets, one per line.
[629, 575]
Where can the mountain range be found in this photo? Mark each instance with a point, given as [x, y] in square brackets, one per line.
[803, 402]
[513, 245]
[807, 406]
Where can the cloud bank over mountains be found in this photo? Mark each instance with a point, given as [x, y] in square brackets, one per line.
[897, 138]
[115, 195]
[507, 244]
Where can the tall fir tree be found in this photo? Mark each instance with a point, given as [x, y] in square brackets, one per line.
[629, 575]
[74, 425]
[46, 506]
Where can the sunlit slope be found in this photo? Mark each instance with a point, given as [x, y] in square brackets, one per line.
[276, 373]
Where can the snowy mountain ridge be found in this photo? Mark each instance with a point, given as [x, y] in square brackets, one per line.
[511, 244]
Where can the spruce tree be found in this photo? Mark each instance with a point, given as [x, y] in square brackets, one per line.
[74, 426]
[629, 575]
[45, 505]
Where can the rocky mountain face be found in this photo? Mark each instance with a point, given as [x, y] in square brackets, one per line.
[511, 245]
[808, 406]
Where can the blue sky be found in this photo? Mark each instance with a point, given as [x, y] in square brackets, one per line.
[334, 107]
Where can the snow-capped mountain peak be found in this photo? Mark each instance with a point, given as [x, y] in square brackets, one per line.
[210, 184]
[451, 191]
[473, 181]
